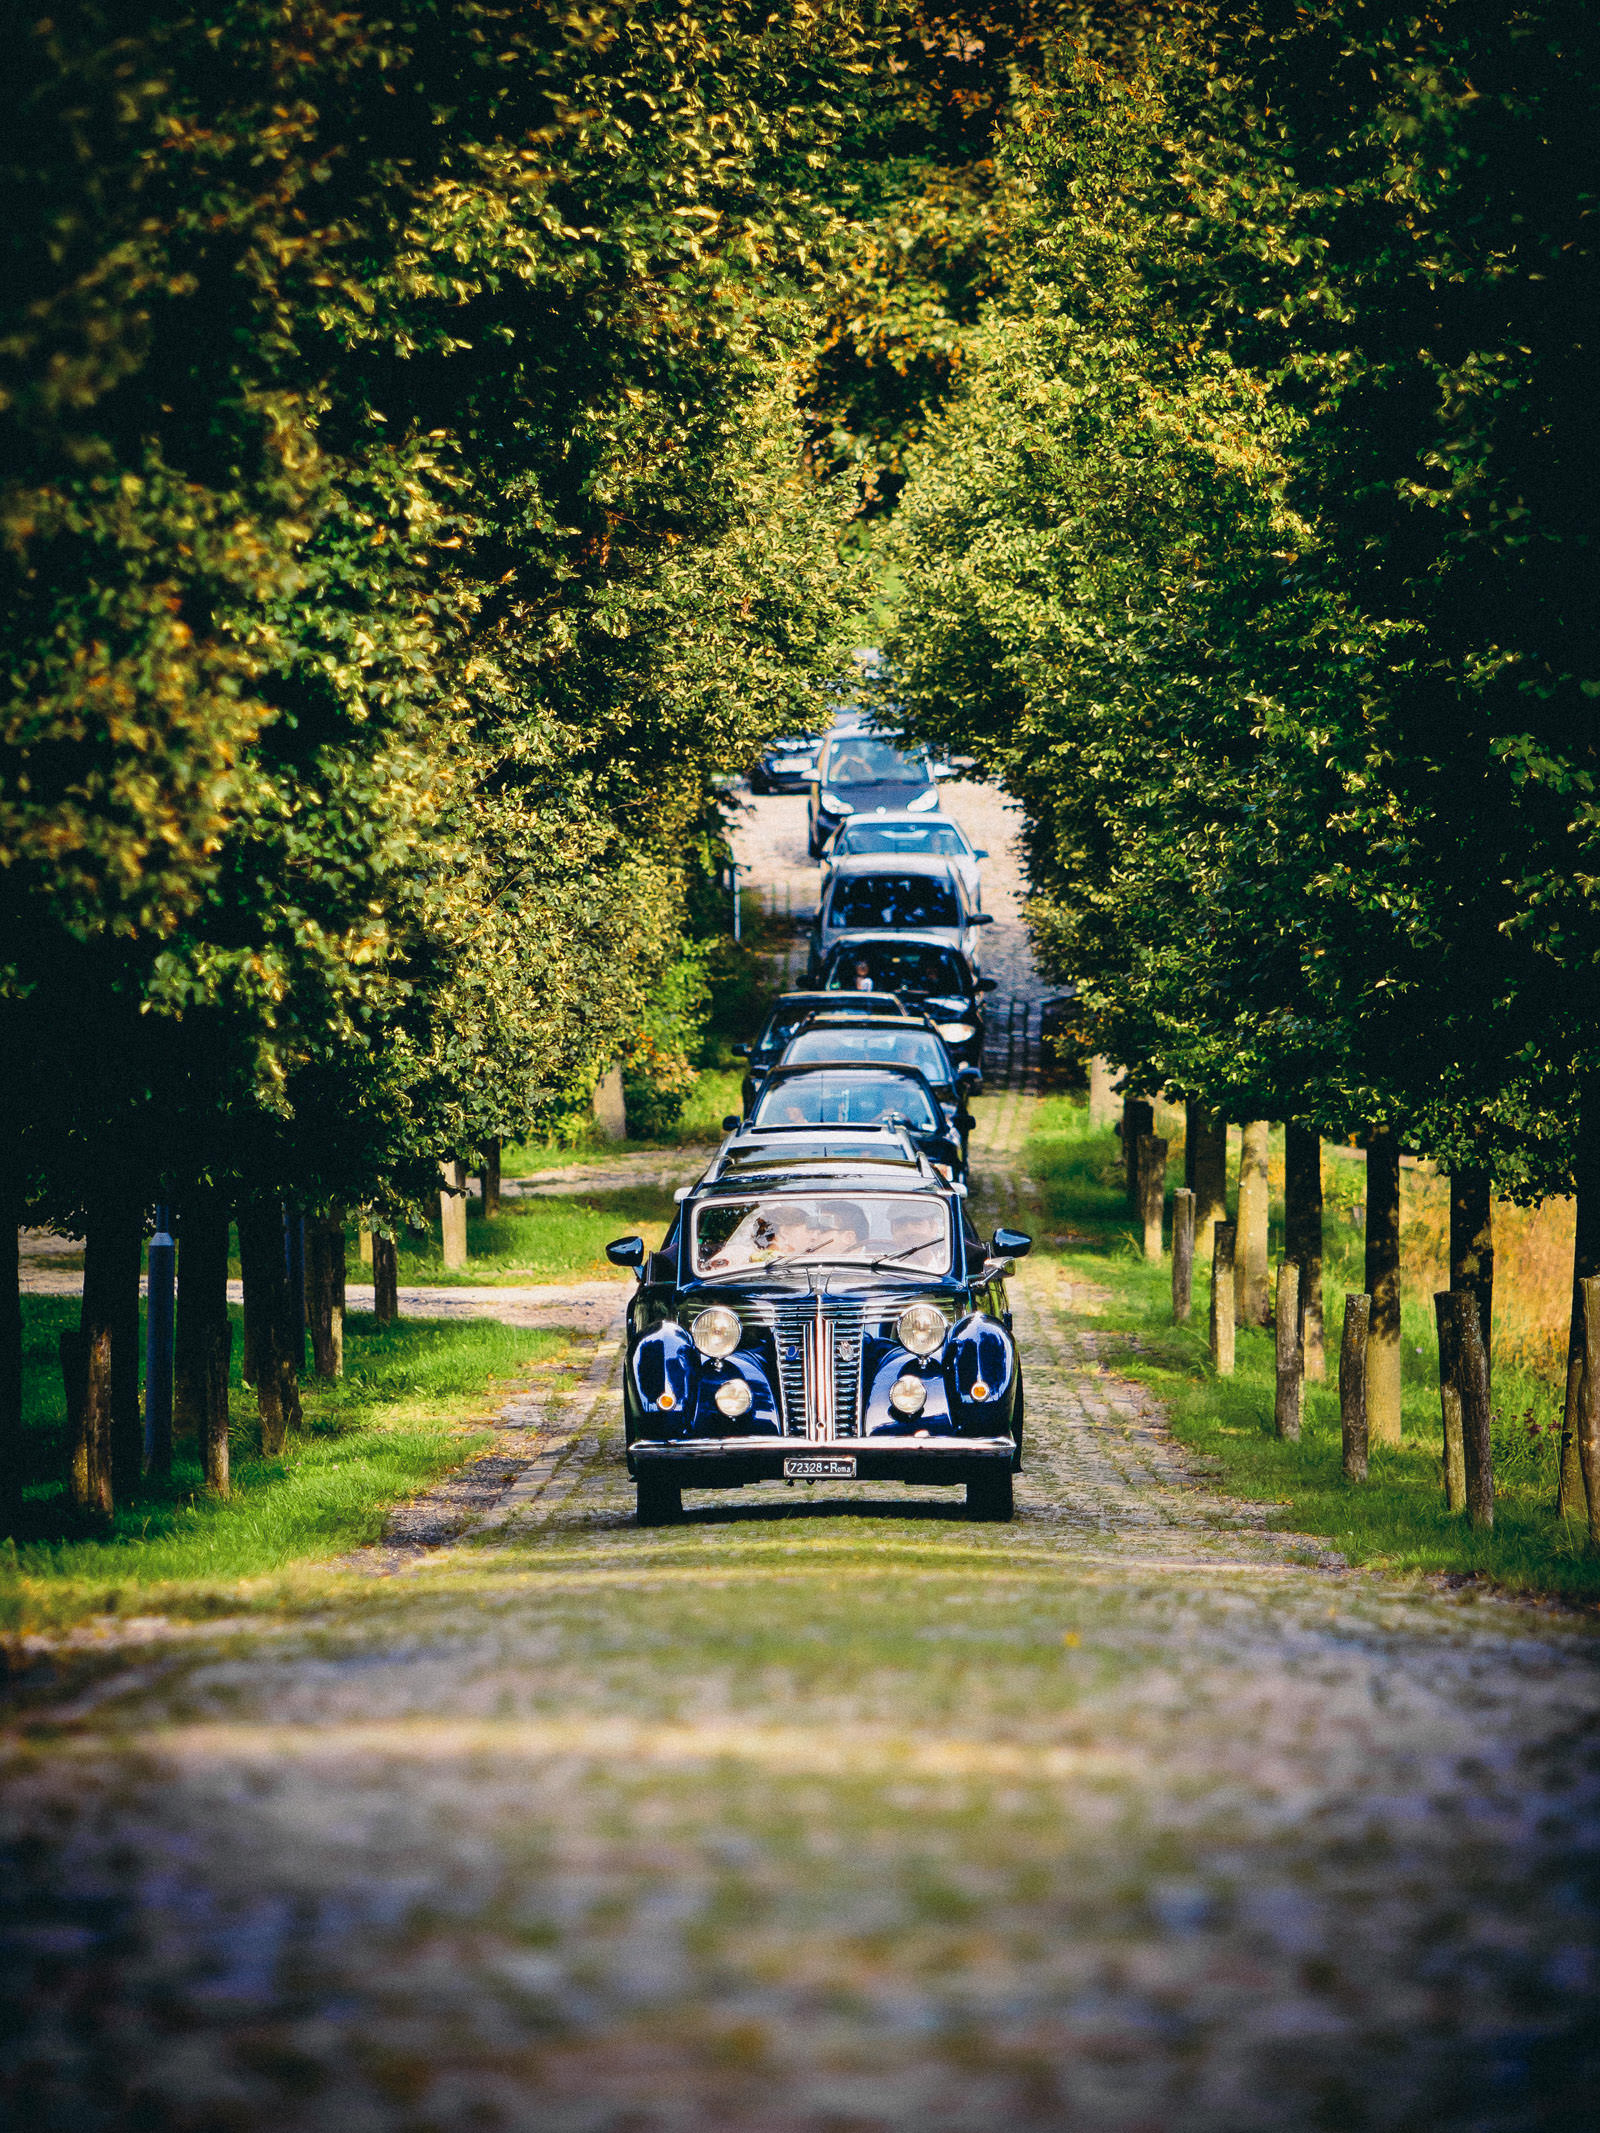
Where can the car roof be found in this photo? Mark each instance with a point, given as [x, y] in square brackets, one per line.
[846, 1066]
[826, 1019]
[855, 940]
[818, 993]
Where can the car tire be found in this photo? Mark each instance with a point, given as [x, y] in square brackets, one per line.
[989, 1496]
[660, 1499]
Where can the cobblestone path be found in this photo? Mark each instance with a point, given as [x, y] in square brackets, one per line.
[809, 1814]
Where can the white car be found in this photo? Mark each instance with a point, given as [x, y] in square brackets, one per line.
[873, 894]
[902, 835]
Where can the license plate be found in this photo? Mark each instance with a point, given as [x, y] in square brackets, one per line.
[819, 1470]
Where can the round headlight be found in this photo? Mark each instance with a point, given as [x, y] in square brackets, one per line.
[908, 1396]
[921, 1328]
[733, 1398]
[956, 1032]
[716, 1331]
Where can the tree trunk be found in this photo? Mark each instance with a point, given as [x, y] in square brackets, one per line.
[125, 1249]
[1102, 1097]
[490, 1174]
[1206, 1135]
[1152, 1193]
[202, 1308]
[1455, 1458]
[453, 1215]
[1383, 1285]
[1472, 1247]
[325, 1294]
[1289, 1392]
[1585, 1265]
[293, 1330]
[1472, 1380]
[385, 1279]
[266, 1315]
[1223, 1236]
[365, 1234]
[1589, 1408]
[1353, 1386]
[10, 1351]
[1302, 1233]
[1138, 1119]
[1250, 1269]
[214, 1461]
[1182, 1255]
[96, 1365]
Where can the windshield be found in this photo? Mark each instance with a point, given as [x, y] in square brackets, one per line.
[942, 840]
[737, 1236]
[850, 1096]
[883, 966]
[918, 1048]
[893, 900]
[858, 759]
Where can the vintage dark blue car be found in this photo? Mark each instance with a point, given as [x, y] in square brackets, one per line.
[822, 1309]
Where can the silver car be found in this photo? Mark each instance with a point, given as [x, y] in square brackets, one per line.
[908, 836]
[875, 895]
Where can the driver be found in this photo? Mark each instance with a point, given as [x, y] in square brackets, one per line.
[917, 1230]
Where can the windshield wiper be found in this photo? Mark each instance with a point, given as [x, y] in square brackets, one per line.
[892, 1258]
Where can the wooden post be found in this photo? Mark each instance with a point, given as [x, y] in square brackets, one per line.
[1383, 1285]
[1353, 1386]
[1455, 1460]
[490, 1174]
[1302, 1232]
[1182, 1255]
[1152, 1192]
[1250, 1259]
[1589, 1407]
[1138, 1119]
[1206, 1169]
[1472, 1380]
[385, 1279]
[1102, 1097]
[453, 1214]
[1223, 1236]
[1289, 1393]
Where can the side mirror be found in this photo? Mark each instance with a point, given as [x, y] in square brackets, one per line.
[977, 854]
[740, 1051]
[1010, 1244]
[626, 1251]
[988, 984]
[732, 1122]
[969, 1077]
[982, 918]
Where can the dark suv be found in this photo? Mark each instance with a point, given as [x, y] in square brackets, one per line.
[867, 773]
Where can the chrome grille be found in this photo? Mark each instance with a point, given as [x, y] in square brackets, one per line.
[819, 1361]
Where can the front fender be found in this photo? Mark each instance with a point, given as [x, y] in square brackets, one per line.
[981, 1351]
[665, 1368]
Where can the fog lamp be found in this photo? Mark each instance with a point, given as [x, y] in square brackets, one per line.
[732, 1398]
[921, 1328]
[716, 1331]
[908, 1396]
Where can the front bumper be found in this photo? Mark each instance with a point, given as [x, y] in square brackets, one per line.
[727, 1462]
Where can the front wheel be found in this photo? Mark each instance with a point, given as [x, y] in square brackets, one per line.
[660, 1499]
[989, 1495]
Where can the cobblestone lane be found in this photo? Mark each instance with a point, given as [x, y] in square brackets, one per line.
[1138, 1814]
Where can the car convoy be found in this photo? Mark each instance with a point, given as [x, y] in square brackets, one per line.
[822, 1307]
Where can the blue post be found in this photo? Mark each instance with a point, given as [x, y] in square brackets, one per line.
[158, 1322]
[294, 1261]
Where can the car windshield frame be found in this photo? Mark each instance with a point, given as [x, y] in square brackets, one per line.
[829, 1215]
[894, 766]
[948, 960]
[913, 1035]
[914, 840]
[845, 1077]
[895, 899]
[769, 1041]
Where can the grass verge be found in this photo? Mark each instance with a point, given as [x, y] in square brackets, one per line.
[406, 1412]
[1397, 1519]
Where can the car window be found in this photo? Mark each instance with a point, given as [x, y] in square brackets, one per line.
[858, 759]
[738, 1236]
[940, 840]
[884, 966]
[893, 900]
[918, 1048]
[851, 1096]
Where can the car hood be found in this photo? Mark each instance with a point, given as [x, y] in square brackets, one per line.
[893, 799]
